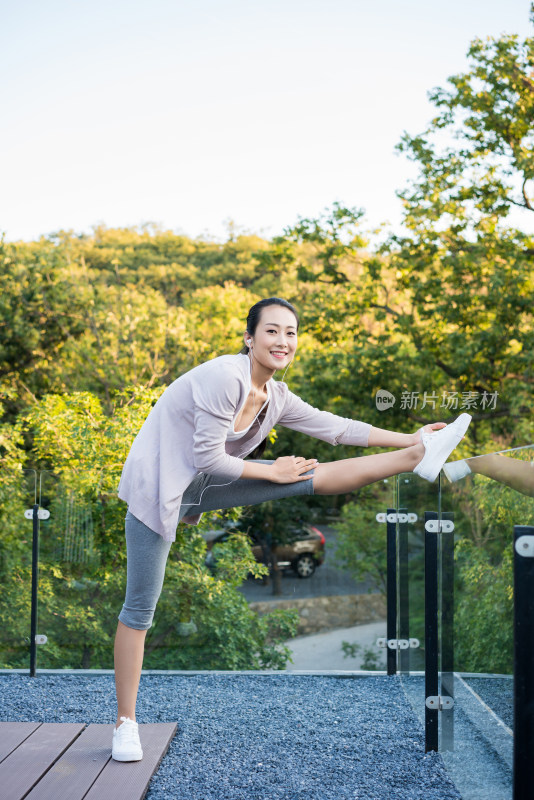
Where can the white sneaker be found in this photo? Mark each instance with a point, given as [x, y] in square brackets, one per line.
[439, 445]
[126, 743]
[456, 470]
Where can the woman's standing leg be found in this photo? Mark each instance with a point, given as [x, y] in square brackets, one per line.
[129, 652]
[147, 556]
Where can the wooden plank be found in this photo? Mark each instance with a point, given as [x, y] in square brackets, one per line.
[21, 770]
[128, 780]
[72, 775]
[12, 734]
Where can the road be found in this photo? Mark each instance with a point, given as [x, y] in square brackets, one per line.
[324, 651]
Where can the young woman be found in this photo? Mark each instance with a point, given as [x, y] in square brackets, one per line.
[188, 458]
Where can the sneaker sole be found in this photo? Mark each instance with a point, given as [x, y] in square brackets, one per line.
[127, 757]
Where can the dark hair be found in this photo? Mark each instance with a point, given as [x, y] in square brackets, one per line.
[253, 316]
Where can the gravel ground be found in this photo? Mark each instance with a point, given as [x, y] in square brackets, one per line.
[258, 737]
[498, 693]
[481, 763]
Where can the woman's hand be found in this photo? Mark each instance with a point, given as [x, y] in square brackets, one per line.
[432, 426]
[290, 469]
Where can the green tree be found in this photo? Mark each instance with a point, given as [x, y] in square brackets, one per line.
[216, 317]
[40, 304]
[469, 273]
[484, 629]
[130, 337]
[361, 540]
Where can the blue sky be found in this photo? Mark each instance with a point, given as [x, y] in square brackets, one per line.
[188, 114]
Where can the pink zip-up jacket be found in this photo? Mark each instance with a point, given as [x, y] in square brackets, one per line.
[185, 434]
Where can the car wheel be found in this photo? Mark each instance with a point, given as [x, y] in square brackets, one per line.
[305, 566]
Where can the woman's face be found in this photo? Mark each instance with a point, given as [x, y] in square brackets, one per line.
[275, 340]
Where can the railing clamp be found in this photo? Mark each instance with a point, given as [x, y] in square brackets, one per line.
[396, 517]
[524, 546]
[439, 525]
[397, 644]
[439, 702]
[42, 513]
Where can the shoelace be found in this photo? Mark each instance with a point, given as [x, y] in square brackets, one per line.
[128, 731]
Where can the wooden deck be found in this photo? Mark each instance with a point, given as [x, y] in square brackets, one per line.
[69, 761]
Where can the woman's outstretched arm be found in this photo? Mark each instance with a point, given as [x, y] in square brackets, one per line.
[303, 417]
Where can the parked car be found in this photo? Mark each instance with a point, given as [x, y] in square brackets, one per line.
[303, 552]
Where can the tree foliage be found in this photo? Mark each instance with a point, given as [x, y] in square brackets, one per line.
[94, 326]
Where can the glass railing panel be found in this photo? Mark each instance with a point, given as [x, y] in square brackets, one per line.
[488, 495]
[82, 570]
[18, 493]
[82, 580]
[341, 607]
[415, 497]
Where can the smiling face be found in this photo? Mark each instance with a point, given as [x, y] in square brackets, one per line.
[274, 341]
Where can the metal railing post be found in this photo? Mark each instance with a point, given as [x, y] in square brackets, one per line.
[447, 631]
[523, 661]
[35, 582]
[391, 591]
[431, 635]
[404, 593]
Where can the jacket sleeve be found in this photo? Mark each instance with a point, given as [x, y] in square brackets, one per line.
[216, 399]
[303, 417]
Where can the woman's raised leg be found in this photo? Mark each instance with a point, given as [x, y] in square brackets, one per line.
[334, 477]
[340, 477]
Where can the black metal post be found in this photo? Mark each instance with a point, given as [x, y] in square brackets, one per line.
[391, 591]
[404, 593]
[35, 581]
[447, 632]
[431, 634]
[523, 662]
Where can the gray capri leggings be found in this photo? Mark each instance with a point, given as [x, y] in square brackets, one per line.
[147, 551]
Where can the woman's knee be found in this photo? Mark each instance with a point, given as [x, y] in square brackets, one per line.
[138, 619]
[146, 559]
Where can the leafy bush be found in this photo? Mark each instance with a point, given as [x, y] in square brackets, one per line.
[484, 611]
